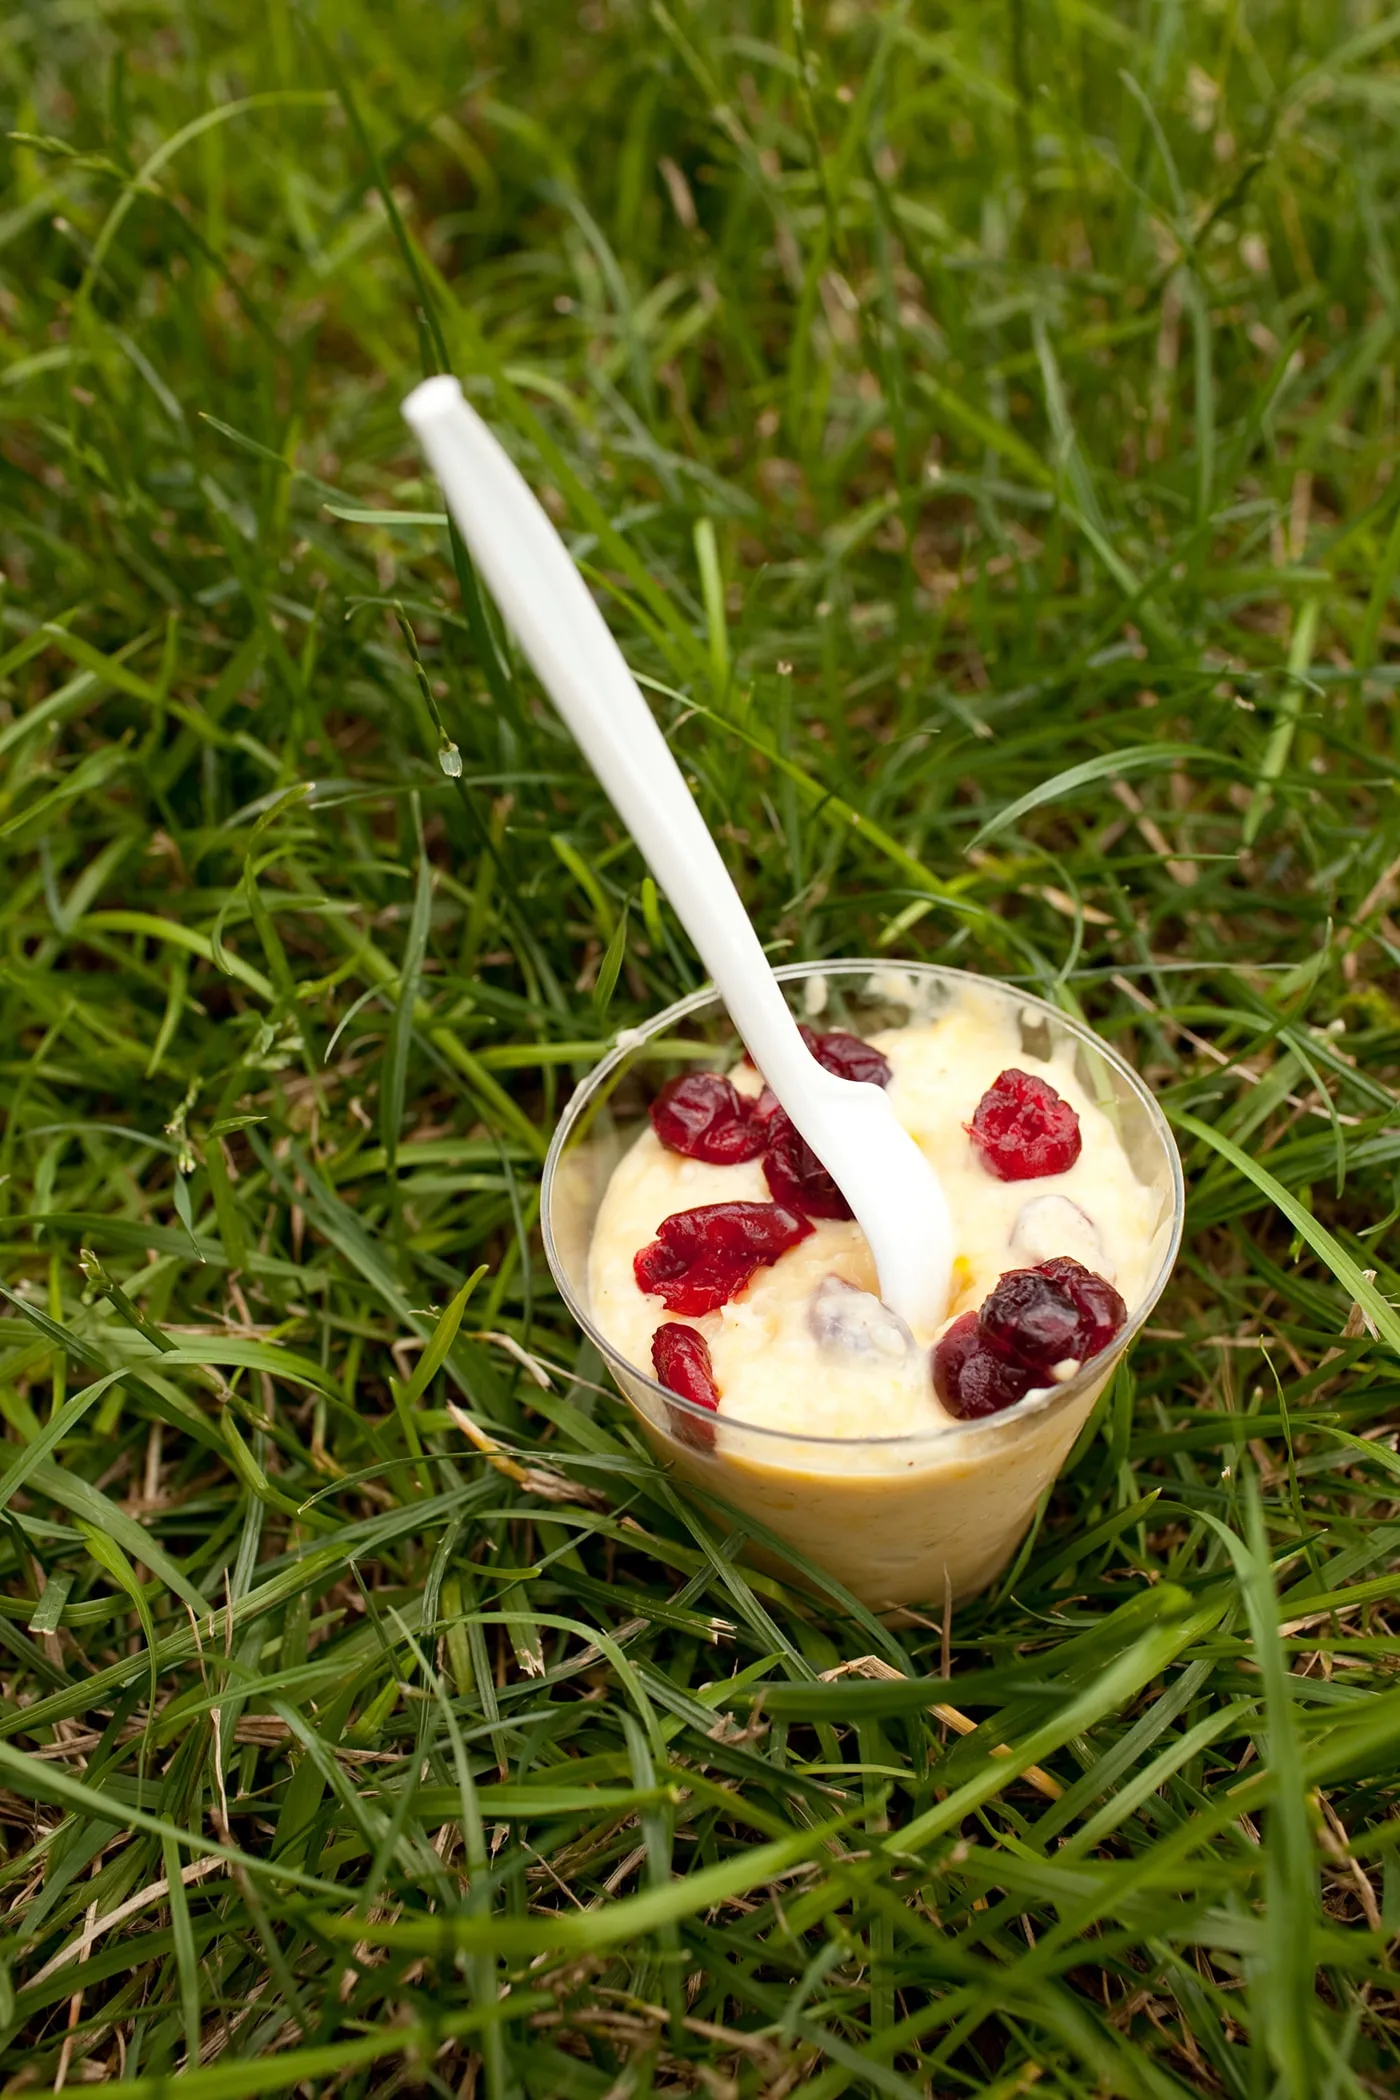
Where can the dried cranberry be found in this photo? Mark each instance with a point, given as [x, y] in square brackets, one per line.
[761, 1109]
[796, 1176]
[681, 1359]
[1023, 1129]
[703, 1116]
[700, 1258]
[1043, 1315]
[848, 1057]
[1032, 1319]
[1101, 1308]
[970, 1377]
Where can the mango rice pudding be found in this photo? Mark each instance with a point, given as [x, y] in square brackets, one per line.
[725, 1262]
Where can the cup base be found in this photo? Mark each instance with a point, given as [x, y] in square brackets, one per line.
[904, 1535]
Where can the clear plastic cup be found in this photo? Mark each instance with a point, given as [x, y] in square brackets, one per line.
[899, 1520]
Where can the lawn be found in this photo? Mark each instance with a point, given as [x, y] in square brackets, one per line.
[979, 425]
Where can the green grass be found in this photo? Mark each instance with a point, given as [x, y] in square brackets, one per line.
[980, 424]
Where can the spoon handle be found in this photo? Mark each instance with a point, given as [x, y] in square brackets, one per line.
[891, 1187]
[548, 606]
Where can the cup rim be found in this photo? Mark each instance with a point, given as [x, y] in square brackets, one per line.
[1037, 1402]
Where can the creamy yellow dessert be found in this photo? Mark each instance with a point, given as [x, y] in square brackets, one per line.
[826, 1419]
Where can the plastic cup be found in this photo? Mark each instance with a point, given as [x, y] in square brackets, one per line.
[898, 1520]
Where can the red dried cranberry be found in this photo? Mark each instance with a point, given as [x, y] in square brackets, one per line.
[703, 1116]
[848, 1057]
[763, 1108]
[1023, 1129]
[1100, 1307]
[970, 1377]
[1060, 1309]
[1032, 1319]
[681, 1359]
[700, 1258]
[795, 1174]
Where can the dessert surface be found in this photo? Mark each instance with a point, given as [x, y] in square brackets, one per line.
[720, 1223]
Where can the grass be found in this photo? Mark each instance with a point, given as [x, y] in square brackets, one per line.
[980, 425]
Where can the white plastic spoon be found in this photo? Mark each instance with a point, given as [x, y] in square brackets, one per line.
[888, 1182]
